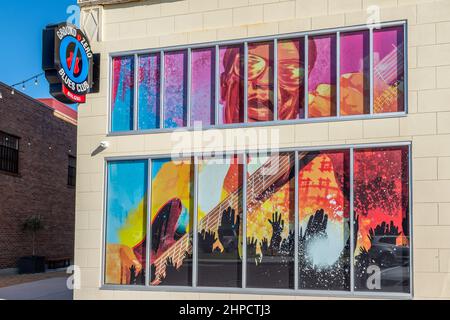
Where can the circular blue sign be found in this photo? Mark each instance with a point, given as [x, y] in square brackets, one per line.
[78, 50]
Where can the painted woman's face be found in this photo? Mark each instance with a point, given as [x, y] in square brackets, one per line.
[261, 85]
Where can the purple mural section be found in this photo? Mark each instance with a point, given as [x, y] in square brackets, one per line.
[149, 93]
[388, 45]
[355, 70]
[175, 89]
[322, 76]
[122, 94]
[203, 87]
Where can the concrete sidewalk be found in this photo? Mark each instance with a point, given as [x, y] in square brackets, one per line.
[49, 289]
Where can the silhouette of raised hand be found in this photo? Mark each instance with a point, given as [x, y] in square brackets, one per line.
[152, 273]
[229, 230]
[317, 225]
[388, 232]
[277, 227]
[206, 240]
[265, 247]
[133, 275]
[288, 244]
[170, 271]
[251, 248]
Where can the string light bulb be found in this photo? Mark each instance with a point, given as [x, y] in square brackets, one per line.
[36, 81]
[1, 95]
[23, 86]
[12, 91]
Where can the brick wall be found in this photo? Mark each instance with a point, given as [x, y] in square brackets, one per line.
[41, 186]
[153, 24]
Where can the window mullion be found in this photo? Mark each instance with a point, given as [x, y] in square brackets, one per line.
[149, 225]
[275, 79]
[338, 74]
[244, 222]
[195, 227]
[306, 79]
[161, 93]
[371, 68]
[246, 82]
[189, 87]
[296, 230]
[410, 224]
[136, 100]
[405, 68]
[352, 223]
[217, 85]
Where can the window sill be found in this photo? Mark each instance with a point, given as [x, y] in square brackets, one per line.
[261, 124]
[11, 174]
[250, 291]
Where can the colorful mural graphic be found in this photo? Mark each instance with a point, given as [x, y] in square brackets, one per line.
[355, 70]
[203, 86]
[322, 76]
[149, 94]
[381, 204]
[381, 215]
[354, 81]
[171, 222]
[260, 82]
[271, 221]
[219, 222]
[126, 218]
[324, 239]
[388, 45]
[175, 89]
[291, 78]
[231, 106]
[122, 94]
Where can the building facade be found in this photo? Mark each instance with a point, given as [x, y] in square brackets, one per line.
[262, 148]
[37, 171]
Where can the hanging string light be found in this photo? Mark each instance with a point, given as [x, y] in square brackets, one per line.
[24, 82]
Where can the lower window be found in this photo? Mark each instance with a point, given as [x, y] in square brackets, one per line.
[328, 220]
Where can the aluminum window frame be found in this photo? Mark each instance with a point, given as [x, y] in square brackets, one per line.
[244, 42]
[193, 288]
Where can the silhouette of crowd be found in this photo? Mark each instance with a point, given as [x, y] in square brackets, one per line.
[219, 262]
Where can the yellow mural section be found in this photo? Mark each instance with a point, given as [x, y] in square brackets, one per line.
[173, 180]
[134, 230]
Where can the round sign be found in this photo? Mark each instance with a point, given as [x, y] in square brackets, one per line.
[73, 56]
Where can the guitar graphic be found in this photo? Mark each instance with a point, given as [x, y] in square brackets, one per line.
[387, 83]
[169, 241]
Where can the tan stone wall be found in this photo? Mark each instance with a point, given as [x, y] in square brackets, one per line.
[153, 24]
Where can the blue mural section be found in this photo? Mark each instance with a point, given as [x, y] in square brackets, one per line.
[149, 95]
[122, 94]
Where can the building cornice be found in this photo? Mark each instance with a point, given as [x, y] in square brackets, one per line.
[90, 3]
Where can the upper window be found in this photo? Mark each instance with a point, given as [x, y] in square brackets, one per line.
[354, 71]
[9, 153]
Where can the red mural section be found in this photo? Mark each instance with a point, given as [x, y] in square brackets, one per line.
[260, 82]
[381, 205]
[324, 239]
[231, 106]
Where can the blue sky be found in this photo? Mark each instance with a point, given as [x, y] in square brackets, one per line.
[21, 25]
